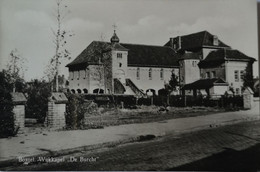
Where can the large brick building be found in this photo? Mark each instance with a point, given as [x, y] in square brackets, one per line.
[202, 62]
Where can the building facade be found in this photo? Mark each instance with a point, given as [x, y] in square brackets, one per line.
[202, 63]
[119, 68]
[205, 57]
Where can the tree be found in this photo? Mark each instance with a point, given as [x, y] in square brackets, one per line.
[171, 86]
[103, 65]
[6, 106]
[16, 69]
[60, 40]
[248, 77]
[98, 75]
[173, 83]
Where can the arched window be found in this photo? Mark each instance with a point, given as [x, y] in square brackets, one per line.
[100, 91]
[161, 74]
[138, 73]
[85, 90]
[73, 91]
[79, 91]
[150, 73]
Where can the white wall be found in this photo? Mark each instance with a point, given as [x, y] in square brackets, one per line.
[218, 90]
[189, 72]
[81, 82]
[156, 82]
[231, 67]
[117, 70]
[88, 79]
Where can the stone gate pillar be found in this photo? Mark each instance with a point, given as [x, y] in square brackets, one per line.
[19, 102]
[56, 111]
[248, 98]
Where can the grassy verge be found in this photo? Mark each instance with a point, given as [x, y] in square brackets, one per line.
[144, 114]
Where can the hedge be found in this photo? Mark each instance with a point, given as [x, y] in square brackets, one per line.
[7, 127]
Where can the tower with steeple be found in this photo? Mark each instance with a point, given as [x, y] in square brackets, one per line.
[119, 59]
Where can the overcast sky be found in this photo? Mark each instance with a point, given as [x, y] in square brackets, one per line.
[26, 25]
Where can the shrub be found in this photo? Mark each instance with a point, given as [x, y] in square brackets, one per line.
[6, 107]
[37, 100]
[77, 109]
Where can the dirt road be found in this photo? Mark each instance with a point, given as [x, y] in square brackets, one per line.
[233, 147]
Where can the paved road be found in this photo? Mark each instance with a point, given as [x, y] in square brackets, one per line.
[35, 144]
[228, 148]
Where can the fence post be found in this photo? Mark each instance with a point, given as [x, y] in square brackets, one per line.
[122, 105]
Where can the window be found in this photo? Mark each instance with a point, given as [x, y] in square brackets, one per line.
[78, 75]
[150, 73]
[236, 76]
[161, 74]
[215, 40]
[241, 75]
[85, 74]
[194, 63]
[207, 74]
[237, 91]
[138, 73]
[213, 74]
[120, 64]
[174, 46]
[119, 55]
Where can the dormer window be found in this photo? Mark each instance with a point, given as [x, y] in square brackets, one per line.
[207, 75]
[119, 55]
[215, 40]
[213, 74]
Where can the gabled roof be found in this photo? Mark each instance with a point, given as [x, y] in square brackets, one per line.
[58, 98]
[18, 98]
[218, 57]
[204, 84]
[138, 55]
[198, 40]
[150, 55]
[91, 54]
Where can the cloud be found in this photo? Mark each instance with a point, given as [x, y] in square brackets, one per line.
[85, 25]
[33, 18]
[216, 24]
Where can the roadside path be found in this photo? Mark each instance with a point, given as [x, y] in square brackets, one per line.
[35, 144]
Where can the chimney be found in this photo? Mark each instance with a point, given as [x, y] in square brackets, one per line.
[179, 42]
[171, 42]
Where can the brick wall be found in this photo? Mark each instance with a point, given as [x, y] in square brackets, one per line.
[19, 117]
[56, 115]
